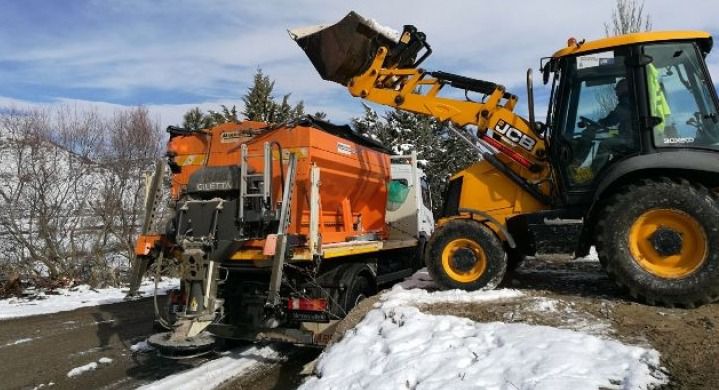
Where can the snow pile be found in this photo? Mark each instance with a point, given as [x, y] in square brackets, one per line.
[398, 346]
[545, 305]
[88, 367]
[388, 32]
[399, 296]
[216, 372]
[74, 298]
[591, 257]
[82, 369]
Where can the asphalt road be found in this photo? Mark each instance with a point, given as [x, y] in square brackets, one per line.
[62, 341]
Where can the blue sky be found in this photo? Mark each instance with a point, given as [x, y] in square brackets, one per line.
[173, 55]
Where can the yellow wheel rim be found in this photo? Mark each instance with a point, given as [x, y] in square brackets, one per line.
[668, 243]
[464, 260]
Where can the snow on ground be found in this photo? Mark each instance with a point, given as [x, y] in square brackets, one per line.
[82, 369]
[74, 298]
[105, 360]
[18, 341]
[591, 257]
[398, 346]
[141, 347]
[216, 372]
[88, 367]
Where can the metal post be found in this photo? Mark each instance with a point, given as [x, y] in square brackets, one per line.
[267, 176]
[315, 210]
[273, 296]
[243, 183]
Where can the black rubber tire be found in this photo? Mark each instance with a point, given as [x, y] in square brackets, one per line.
[515, 258]
[359, 289]
[418, 255]
[624, 207]
[480, 234]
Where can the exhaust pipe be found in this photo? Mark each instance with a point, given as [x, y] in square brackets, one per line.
[346, 49]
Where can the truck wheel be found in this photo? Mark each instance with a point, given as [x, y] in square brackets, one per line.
[658, 239]
[359, 289]
[418, 259]
[515, 258]
[467, 255]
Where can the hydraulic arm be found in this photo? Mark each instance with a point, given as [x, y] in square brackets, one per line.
[380, 69]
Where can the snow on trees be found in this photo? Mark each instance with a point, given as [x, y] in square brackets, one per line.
[71, 191]
[439, 153]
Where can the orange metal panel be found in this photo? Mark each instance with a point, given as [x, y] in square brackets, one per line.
[219, 146]
[349, 173]
[353, 191]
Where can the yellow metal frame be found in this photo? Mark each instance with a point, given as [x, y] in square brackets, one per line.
[400, 88]
[329, 251]
[631, 39]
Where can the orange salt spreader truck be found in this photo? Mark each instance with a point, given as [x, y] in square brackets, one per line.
[278, 231]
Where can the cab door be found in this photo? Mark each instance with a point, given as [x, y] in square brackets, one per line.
[596, 122]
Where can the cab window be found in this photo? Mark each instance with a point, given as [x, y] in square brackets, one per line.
[679, 97]
[598, 127]
[397, 192]
[426, 193]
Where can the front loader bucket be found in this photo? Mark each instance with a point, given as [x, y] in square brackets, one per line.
[346, 49]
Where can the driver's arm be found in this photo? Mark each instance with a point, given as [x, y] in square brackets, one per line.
[612, 119]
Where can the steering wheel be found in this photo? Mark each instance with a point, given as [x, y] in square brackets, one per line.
[593, 123]
[594, 126]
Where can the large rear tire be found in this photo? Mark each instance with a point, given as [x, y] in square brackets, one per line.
[659, 240]
[467, 255]
[359, 289]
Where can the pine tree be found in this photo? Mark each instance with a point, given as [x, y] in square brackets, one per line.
[439, 153]
[193, 119]
[229, 115]
[261, 106]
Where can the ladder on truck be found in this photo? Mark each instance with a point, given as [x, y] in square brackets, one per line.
[265, 184]
[278, 262]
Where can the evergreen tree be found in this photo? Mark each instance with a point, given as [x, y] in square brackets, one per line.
[259, 103]
[197, 120]
[261, 106]
[229, 115]
[439, 153]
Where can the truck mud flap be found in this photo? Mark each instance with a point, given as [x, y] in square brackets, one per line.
[343, 50]
[310, 333]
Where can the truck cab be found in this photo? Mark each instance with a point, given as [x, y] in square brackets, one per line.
[409, 202]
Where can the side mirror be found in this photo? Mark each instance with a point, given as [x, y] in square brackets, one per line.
[540, 127]
[545, 68]
[530, 100]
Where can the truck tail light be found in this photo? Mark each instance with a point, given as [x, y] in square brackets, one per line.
[307, 304]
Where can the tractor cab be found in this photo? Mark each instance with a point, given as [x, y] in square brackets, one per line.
[622, 104]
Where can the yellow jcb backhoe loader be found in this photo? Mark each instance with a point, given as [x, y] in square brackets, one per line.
[627, 160]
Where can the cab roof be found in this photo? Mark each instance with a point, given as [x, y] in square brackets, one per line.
[703, 38]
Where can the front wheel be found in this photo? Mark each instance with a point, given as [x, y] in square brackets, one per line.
[658, 239]
[467, 255]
